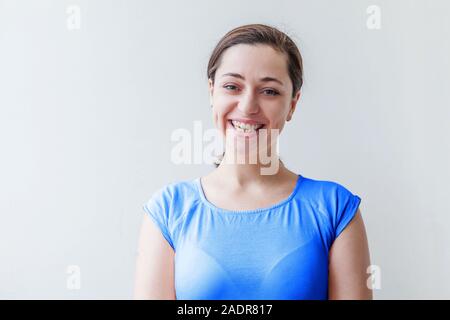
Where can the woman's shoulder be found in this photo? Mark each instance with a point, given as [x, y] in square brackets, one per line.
[173, 193]
[325, 188]
[328, 195]
[168, 203]
[334, 197]
[332, 201]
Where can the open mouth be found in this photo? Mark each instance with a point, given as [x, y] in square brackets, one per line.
[245, 127]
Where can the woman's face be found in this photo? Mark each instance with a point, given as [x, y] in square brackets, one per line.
[252, 84]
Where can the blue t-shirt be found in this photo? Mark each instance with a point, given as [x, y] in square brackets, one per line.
[278, 252]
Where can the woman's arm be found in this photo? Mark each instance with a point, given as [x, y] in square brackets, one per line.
[349, 259]
[154, 275]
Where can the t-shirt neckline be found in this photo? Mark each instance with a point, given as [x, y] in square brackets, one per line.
[276, 205]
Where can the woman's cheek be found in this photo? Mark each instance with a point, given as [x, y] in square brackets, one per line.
[220, 122]
[217, 121]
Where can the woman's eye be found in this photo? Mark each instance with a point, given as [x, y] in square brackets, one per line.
[229, 85]
[271, 92]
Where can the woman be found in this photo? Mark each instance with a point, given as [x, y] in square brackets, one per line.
[245, 231]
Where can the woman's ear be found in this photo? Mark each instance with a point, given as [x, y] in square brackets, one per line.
[211, 91]
[293, 104]
[291, 112]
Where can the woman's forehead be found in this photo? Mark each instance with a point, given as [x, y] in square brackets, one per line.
[253, 53]
[250, 59]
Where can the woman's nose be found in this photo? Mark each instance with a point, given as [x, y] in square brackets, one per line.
[249, 104]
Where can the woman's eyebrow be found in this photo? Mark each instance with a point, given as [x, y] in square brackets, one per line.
[264, 79]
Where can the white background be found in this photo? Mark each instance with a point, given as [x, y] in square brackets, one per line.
[86, 117]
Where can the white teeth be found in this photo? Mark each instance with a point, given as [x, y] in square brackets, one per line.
[245, 127]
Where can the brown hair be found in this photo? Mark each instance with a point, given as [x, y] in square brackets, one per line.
[255, 34]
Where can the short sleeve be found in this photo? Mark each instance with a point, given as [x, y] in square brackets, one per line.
[158, 211]
[347, 205]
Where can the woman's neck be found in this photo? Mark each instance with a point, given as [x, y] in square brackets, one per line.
[244, 174]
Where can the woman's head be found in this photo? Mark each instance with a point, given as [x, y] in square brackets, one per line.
[255, 74]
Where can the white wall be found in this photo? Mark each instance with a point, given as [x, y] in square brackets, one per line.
[86, 117]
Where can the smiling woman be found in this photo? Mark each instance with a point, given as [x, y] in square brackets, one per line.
[241, 232]
[275, 52]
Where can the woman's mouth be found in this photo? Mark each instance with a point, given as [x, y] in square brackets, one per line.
[245, 127]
